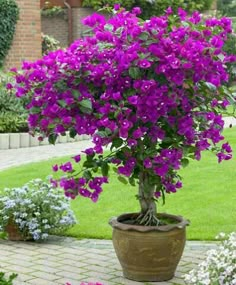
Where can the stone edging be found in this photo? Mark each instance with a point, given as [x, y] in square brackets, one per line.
[21, 140]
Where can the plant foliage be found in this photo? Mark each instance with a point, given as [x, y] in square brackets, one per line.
[13, 114]
[227, 7]
[151, 7]
[9, 13]
[7, 281]
[49, 43]
[53, 11]
[152, 90]
[37, 208]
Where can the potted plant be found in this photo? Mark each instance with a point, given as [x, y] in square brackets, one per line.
[34, 211]
[153, 92]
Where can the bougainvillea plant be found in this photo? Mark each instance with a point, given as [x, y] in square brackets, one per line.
[152, 91]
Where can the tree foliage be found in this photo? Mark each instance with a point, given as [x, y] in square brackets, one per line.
[9, 13]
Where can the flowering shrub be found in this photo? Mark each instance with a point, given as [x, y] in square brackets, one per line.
[154, 90]
[37, 208]
[219, 268]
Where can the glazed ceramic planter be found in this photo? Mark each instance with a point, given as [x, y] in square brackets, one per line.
[149, 253]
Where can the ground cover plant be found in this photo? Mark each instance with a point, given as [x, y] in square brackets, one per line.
[206, 189]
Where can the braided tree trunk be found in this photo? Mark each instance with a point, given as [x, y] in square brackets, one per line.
[148, 215]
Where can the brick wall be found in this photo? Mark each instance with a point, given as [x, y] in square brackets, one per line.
[56, 27]
[27, 39]
[78, 15]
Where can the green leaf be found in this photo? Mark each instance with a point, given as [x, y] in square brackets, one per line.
[35, 110]
[52, 138]
[105, 168]
[86, 106]
[72, 133]
[134, 72]
[144, 36]
[89, 164]
[101, 134]
[109, 27]
[76, 94]
[87, 174]
[163, 196]
[132, 181]
[62, 103]
[117, 142]
[184, 162]
[122, 180]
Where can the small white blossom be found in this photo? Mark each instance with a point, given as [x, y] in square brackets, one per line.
[37, 208]
[219, 267]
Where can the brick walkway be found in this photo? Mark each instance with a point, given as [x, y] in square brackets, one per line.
[62, 259]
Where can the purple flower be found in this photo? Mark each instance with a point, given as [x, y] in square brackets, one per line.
[161, 170]
[67, 167]
[143, 63]
[147, 163]
[77, 158]
[117, 7]
[136, 11]
[55, 168]
[226, 147]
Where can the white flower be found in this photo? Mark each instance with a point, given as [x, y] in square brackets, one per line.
[219, 267]
[37, 208]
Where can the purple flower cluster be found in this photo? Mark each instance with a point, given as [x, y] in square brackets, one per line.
[152, 89]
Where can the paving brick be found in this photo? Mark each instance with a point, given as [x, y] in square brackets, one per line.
[55, 258]
[63, 281]
[177, 281]
[24, 277]
[41, 281]
[45, 268]
[105, 276]
[18, 268]
[45, 275]
[73, 275]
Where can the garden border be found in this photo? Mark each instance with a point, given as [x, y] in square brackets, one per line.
[21, 140]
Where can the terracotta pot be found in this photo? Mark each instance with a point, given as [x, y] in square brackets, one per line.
[149, 253]
[14, 233]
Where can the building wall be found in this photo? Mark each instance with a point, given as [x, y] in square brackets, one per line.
[56, 27]
[78, 15]
[27, 39]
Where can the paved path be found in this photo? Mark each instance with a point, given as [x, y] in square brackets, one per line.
[62, 259]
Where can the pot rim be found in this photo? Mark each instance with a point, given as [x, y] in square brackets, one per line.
[116, 222]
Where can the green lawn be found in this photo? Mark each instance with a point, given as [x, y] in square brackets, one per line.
[208, 198]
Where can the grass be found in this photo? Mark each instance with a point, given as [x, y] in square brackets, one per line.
[207, 199]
